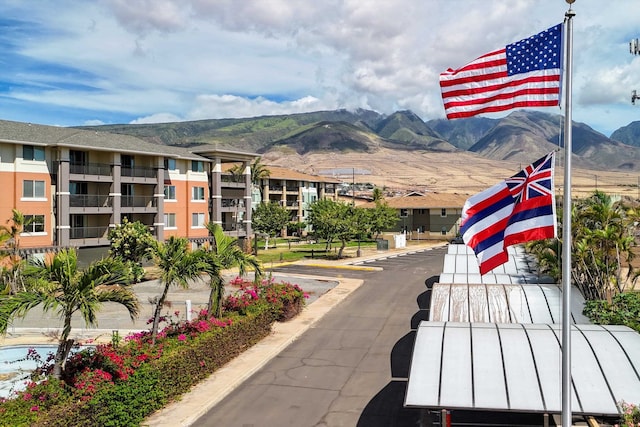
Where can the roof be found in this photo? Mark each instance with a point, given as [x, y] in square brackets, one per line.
[517, 367]
[525, 303]
[424, 201]
[55, 136]
[278, 172]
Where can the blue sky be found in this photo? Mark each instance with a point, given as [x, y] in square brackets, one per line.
[143, 61]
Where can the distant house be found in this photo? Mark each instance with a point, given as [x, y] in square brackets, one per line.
[426, 216]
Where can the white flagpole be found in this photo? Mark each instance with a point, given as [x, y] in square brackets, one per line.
[566, 226]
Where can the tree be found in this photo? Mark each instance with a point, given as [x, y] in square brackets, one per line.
[177, 266]
[131, 242]
[377, 194]
[60, 286]
[382, 218]
[223, 254]
[333, 221]
[602, 247]
[270, 218]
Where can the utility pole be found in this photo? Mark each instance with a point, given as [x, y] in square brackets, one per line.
[634, 49]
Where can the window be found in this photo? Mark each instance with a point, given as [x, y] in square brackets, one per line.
[78, 188]
[32, 189]
[197, 166]
[170, 164]
[443, 212]
[170, 192]
[77, 157]
[197, 220]
[33, 224]
[197, 193]
[32, 152]
[169, 220]
[404, 213]
[127, 161]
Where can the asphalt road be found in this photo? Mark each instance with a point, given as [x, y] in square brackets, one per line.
[351, 368]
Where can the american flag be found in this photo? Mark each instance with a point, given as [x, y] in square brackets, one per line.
[517, 210]
[523, 74]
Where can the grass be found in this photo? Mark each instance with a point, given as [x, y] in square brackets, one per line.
[292, 250]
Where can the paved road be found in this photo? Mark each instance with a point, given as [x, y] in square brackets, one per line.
[351, 368]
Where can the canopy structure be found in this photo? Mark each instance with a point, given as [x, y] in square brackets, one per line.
[516, 367]
[526, 303]
[493, 343]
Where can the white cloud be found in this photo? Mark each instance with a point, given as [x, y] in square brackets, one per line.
[158, 59]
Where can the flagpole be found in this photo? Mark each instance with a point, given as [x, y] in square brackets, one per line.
[566, 226]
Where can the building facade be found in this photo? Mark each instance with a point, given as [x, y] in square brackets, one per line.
[74, 185]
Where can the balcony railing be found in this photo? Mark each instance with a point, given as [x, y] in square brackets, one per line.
[89, 200]
[275, 188]
[88, 232]
[292, 203]
[138, 202]
[232, 203]
[90, 169]
[139, 172]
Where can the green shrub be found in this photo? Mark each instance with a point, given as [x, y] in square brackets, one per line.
[624, 309]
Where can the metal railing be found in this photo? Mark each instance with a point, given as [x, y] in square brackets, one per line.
[88, 232]
[90, 169]
[232, 203]
[138, 202]
[89, 200]
[139, 172]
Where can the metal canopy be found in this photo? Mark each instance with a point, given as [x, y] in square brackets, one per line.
[461, 266]
[527, 303]
[516, 367]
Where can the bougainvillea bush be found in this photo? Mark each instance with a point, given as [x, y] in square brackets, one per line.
[121, 383]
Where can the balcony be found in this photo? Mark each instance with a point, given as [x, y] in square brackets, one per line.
[139, 175]
[89, 200]
[232, 203]
[229, 181]
[146, 202]
[90, 172]
[275, 188]
[292, 204]
[292, 189]
[139, 172]
[89, 236]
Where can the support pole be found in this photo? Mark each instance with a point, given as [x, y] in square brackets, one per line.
[566, 226]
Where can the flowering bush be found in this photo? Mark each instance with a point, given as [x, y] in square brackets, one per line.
[630, 414]
[285, 299]
[120, 383]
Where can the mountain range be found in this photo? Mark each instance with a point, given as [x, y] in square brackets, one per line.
[519, 137]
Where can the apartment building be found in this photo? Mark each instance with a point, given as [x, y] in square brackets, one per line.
[296, 190]
[74, 185]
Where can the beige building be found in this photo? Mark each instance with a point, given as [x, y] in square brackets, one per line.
[427, 216]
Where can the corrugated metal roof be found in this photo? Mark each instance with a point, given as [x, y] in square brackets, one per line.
[527, 303]
[517, 367]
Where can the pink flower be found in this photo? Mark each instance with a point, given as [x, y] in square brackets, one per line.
[182, 337]
[35, 408]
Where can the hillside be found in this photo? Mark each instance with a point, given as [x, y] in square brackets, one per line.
[401, 150]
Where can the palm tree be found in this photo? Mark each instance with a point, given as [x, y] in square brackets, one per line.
[60, 286]
[177, 267]
[225, 253]
[10, 238]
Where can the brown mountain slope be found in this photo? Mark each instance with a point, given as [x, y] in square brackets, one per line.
[458, 172]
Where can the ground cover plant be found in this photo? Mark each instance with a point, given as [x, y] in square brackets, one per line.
[123, 382]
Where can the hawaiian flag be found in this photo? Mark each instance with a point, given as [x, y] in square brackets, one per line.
[523, 74]
[517, 210]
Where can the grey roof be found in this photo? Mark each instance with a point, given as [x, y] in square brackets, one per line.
[498, 303]
[517, 367]
[461, 266]
[54, 136]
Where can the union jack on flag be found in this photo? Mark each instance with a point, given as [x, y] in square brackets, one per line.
[517, 210]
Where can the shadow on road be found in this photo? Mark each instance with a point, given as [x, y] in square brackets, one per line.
[386, 409]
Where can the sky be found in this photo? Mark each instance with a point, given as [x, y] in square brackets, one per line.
[91, 62]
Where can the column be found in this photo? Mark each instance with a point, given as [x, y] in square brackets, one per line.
[63, 220]
[158, 221]
[116, 191]
[215, 211]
